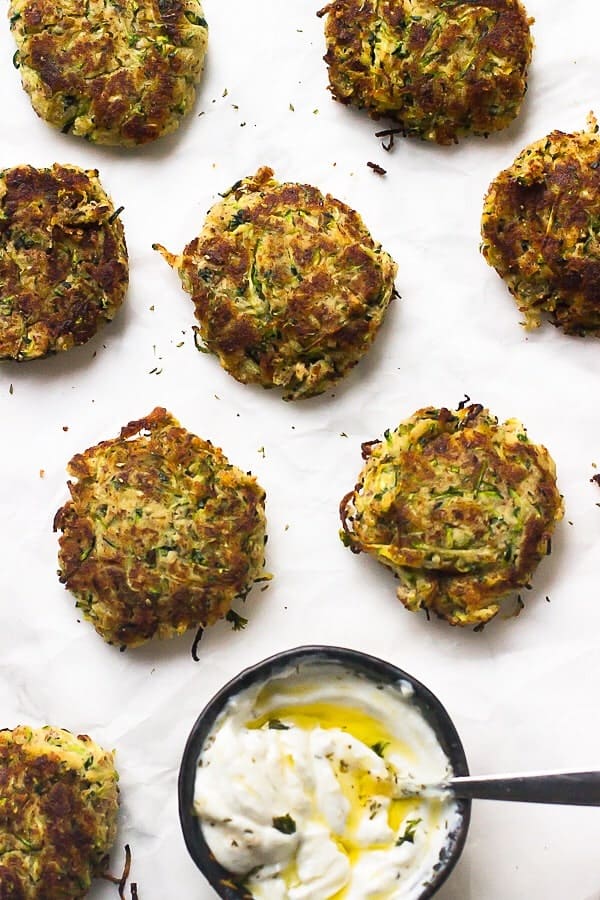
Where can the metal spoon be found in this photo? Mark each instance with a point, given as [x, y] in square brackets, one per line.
[572, 788]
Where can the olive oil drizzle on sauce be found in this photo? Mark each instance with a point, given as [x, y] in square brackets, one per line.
[357, 786]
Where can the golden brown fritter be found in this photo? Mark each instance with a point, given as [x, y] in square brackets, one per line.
[541, 230]
[63, 259]
[111, 71]
[289, 287]
[441, 68]
[462, 509]
[161, 533]
[58, 813]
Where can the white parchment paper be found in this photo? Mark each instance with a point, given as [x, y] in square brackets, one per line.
[524, 693]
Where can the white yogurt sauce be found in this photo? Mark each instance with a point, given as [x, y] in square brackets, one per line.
[299, 788]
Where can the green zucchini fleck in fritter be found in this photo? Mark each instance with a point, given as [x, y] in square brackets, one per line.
[63, 260]
[111, 71]
[59, 801]
[161, 533]
[440, 68]
[541, 230]
[462, 510]
[288, 285]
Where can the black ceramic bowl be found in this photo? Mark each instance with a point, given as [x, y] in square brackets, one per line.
[378, 671]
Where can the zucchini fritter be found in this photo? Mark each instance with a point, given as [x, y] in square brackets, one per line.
[289, 287]
[58, 813]
[461, 508]
[161, 533]
[63, 259]
[111, 71]
[441, 68]
[541, 230]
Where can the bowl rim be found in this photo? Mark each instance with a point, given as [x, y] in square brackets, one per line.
[373, 667]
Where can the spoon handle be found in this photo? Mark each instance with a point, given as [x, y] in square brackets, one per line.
[573, 788]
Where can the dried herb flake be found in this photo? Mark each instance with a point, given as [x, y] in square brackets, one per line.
[379, 747]
[284, 824]
[238, 622]
[409, 833]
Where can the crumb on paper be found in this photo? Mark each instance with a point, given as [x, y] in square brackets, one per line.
[379, 170]
[292, 108]
[42, 473]
[11, 390]
[65, 428]
[261, 450]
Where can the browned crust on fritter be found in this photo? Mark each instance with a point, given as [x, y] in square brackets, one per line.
[57, 822]
[541, 230]
[460, 508]
[288, 285]
[63, 259]
[441, 69]
[161, 533]
[115, 72]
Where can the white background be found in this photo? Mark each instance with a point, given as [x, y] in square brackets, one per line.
[524, 693]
